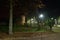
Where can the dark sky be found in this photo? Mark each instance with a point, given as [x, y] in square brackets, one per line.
[4, 9]
[52, 7]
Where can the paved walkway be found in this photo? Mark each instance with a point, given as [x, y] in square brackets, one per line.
[51, 36]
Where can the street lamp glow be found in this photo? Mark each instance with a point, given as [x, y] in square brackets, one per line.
[41, 16]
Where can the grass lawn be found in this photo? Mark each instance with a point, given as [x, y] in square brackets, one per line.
[4, 28]
[22, 28]
[56, 29]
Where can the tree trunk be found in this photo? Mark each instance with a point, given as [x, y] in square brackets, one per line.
[10, 19]
[23, 19]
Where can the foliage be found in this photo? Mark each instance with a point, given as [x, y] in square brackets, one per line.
[24, 28]
[4, 28]
[49, 23]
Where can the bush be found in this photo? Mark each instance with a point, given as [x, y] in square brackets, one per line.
[4, 28]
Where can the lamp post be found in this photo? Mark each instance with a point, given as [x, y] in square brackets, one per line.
[41, 18]
[40, 25]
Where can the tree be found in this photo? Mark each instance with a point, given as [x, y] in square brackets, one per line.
[11, 18]
[24, 7]
[49, 23]
[21, 8]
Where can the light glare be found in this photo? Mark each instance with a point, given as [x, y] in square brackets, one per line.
[41, 16]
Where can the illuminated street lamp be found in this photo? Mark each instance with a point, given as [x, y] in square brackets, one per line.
[41, 20]
[41, 16]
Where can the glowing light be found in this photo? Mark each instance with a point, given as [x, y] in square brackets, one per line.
[41, 16]
[32, 19]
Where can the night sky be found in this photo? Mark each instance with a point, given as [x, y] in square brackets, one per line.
[4, 9]
[52, 7]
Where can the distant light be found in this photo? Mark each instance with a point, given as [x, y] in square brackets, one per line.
[41, 16]
[32, 19]
[52, 18]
